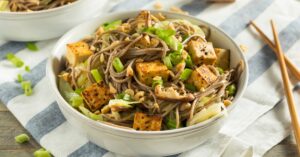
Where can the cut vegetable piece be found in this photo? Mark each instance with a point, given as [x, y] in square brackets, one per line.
[14, 60]
[186, 74]
[171, 123]
[96, 75]
[89, 114]
[19, 78]
[190, 87]
[223, 58]
[148, 70]
[42, 153]
[112, 25]
[22, 138]
[96, 96]
[120, 104]
[26, 85]
[167, 62]
[27, 68]
[78, 52]
[118, 65]
[157, 80]
[32, 46]
[145, 122]
[206, 113]
[231, 89]
[202, 77]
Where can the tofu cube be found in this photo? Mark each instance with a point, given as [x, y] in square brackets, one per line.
[144, 42]
[202, 52]
[145, 122]
[202, 77]
[77, 52]
[223, 58]
[148, 70]
[96, 95]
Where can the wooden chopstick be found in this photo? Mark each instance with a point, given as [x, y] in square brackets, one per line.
[287, 88]
[294, 70]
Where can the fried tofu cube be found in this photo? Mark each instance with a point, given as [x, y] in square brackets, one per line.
[144, 42]
[202, 77]
[148, 70]
[96, 95]
[202, 52]
[145, 122]
[77, 52]
[223, 58]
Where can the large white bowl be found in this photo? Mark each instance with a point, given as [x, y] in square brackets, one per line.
[141, 143]
[47, 24]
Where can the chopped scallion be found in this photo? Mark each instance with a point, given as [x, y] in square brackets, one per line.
[26, 85]
[167, 62]
[190, 87]
[76, 101]
[186, 74]
[32, 46]
[78, 91]
[118, 65]
[231, 89]
[120, 96]
[96, 75]
[221, 71]
[157, 81]
[19, 78]
[188, 61]
[111, 25]
[14, 60]
[42, 153]
[22, 138]
[27, 68]
[171, 123]
[126, 97]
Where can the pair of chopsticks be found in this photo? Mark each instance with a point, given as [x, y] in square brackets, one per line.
[284, 63]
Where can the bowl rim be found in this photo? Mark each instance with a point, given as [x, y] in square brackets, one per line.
[52, 79]
[46, 11]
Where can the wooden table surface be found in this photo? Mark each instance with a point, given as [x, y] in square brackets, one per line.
[10, 127]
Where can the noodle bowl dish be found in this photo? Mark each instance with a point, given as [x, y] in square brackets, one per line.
[35, 20]
[147, 82]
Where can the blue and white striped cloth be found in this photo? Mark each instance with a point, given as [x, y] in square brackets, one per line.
[259, 121]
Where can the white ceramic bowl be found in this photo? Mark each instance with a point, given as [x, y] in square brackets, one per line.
[141, 143]
[47, 24]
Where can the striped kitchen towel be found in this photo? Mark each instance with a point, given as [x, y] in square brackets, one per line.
[258, 122]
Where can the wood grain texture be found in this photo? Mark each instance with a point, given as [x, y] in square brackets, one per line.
[10, 127]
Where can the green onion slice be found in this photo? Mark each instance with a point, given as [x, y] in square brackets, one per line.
[27, 68]
[167, 62]
[186, 74]
[22, 138]
[32, 46]
[26, 85]
[231, 89]
[42, 153]
[14, 60]
[118, 65]
[19, 78]
[96, 75]
[157, 81]
[188, 61]
[190, 87]
[111, 25]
